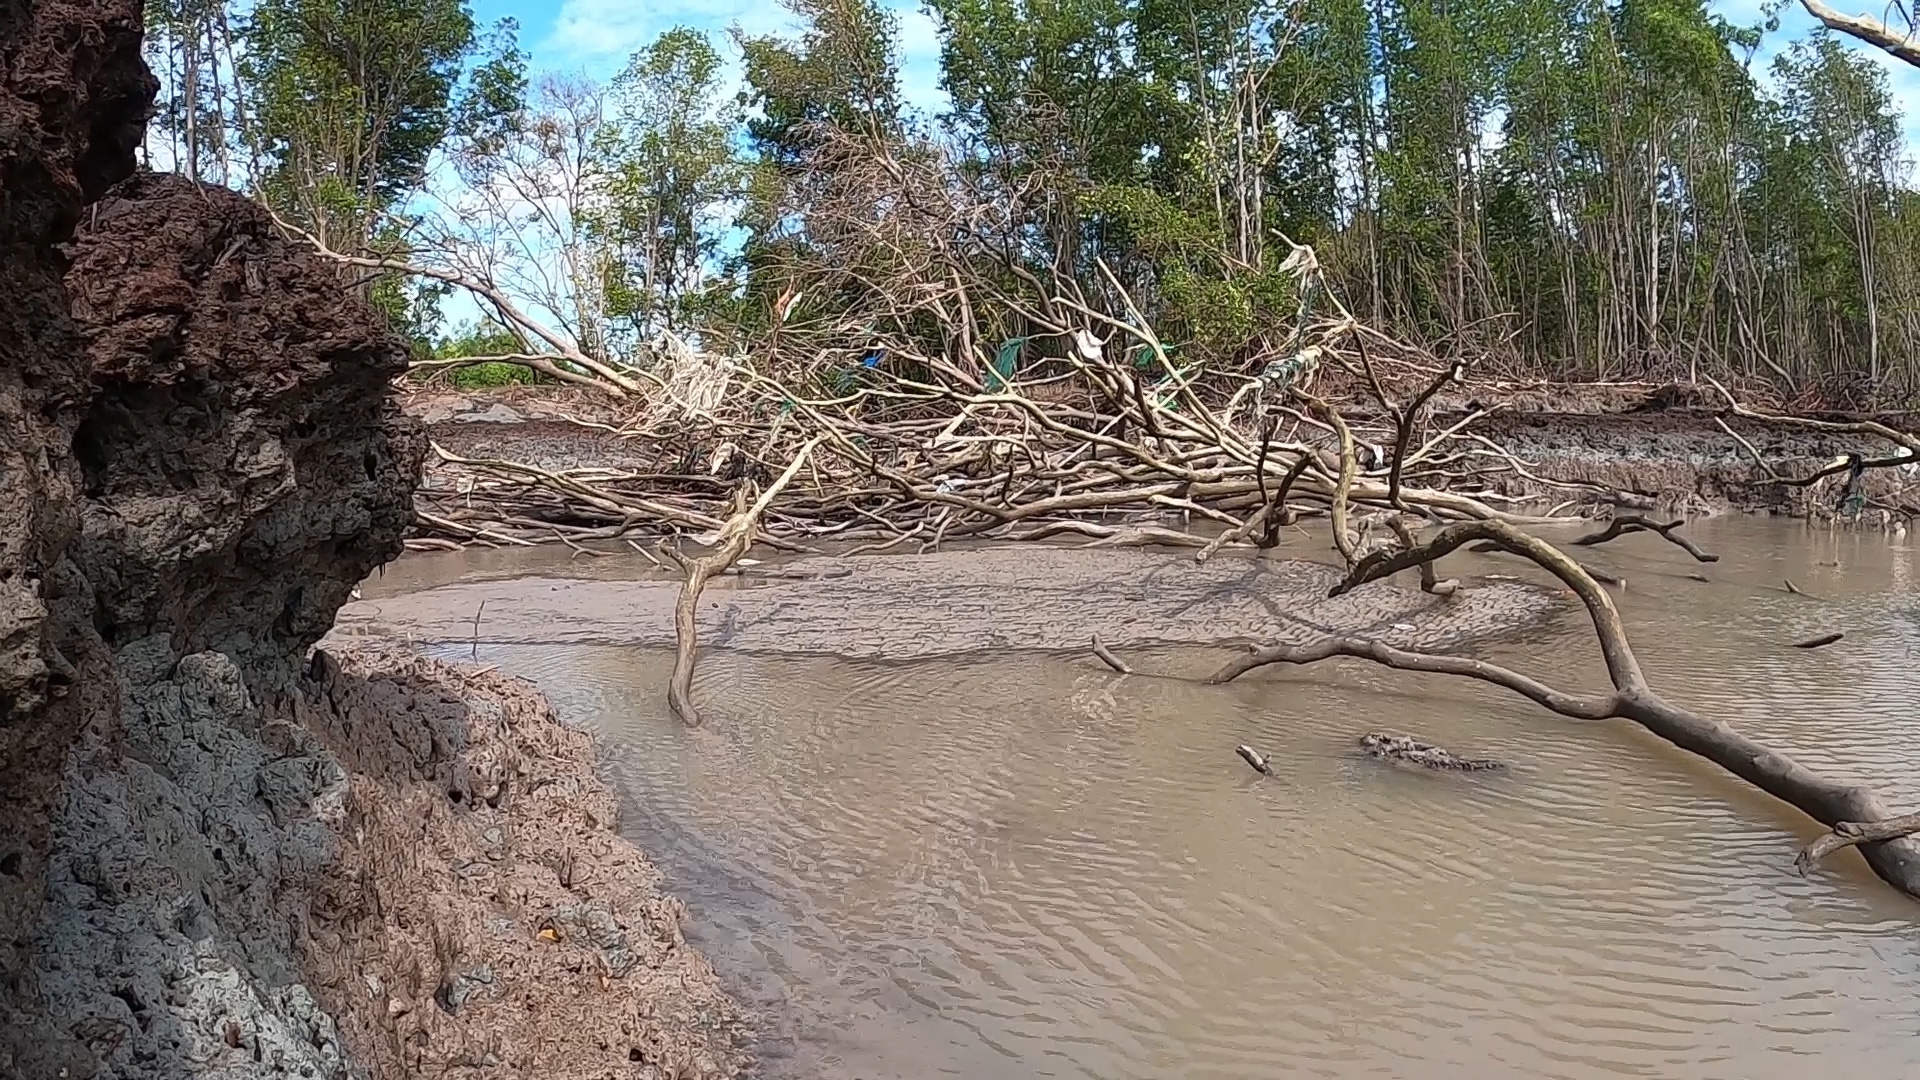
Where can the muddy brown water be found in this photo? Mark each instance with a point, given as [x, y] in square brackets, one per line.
[1020, 865]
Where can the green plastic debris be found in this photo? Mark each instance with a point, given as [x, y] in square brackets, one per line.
[1000, 374]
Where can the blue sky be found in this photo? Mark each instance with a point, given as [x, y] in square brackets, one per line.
[596, 36]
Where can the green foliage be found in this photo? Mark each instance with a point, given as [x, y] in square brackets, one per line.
[484, 338]
[839, 71]
[350, 100]
[669, 168]
[1593, 188]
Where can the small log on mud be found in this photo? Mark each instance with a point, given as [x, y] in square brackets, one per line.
[1426, 755]
[1623, 524]
[1895, 859]
[1106, 657]
[734, 539]
[1254, 758]
[1846, 834]
[1822, 640]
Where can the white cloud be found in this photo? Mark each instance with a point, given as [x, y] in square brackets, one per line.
[603, 33]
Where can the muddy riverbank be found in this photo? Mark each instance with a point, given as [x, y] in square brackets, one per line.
[220, 858]
[479, 911]
[906, 607]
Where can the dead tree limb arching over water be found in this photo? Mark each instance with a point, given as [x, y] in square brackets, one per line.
[1855, 811]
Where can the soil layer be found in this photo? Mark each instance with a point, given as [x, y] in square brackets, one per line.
[480, 912]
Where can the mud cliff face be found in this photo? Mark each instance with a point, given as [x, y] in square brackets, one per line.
[73, 101]
[197, 462]
[241, 468]
[242, 462]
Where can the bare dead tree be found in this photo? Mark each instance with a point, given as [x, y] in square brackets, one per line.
[1868, 29]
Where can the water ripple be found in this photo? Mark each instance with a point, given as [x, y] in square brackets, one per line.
[1020, 866]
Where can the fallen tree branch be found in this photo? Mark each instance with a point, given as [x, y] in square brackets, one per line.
[1429, 580]
[1837, 427]
[485, 290]
[1106, 657]
[1349, 465]
[1867, 29]
[1404, 420]
[734, 539]
[1632, 523]
[1895, 859]
[1846, 834]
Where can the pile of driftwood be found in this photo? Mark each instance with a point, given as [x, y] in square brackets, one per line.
[1107, 452]
[1104, 450]
[955, 390]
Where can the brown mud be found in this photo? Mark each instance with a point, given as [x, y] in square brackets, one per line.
[480, 911]
[901, 607]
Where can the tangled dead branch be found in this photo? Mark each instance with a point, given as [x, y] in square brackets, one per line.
[1846, 834]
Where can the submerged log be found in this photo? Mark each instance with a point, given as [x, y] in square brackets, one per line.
[1426, 755]
[1106, 657]
[1846, 834]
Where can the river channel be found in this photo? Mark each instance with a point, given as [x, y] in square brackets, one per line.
[1015, 864]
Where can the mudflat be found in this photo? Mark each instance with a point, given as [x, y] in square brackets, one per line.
[955, 602]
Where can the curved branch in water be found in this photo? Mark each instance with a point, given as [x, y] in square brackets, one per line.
[1884, 839]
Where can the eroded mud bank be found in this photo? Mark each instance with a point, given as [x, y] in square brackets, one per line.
[216, 860]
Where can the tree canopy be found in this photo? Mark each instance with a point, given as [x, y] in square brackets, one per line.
[1593, 189]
